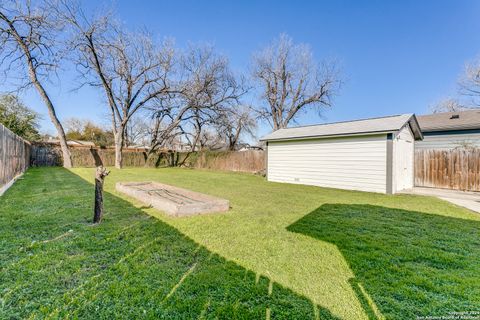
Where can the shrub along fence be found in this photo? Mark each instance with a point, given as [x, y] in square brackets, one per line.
[47, 154]
[14, 157]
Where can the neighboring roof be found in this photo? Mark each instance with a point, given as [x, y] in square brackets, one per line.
[247, 147]
[80, 143]
[346, 128]
[72, 142]
[445, 121]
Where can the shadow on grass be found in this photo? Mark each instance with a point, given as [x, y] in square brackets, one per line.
[406, 264]
[55, 263]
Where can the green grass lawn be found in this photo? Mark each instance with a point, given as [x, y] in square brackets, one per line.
[283, 251]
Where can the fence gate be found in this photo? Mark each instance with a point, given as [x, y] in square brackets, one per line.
[457, 169]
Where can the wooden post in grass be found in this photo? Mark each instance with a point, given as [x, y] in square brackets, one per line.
[100, 175]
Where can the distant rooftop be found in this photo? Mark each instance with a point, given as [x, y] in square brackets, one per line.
[364, 126]
[463, 120]
[71, 142]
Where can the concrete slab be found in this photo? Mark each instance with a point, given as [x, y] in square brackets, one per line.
[173, 200]
[456, 194]
[469, 204]
[469, 200]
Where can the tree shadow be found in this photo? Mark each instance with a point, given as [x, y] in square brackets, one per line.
[55, 263]
[406, 263]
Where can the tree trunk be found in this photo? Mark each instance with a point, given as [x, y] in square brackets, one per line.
[118, 155]
[151, 153]
[100, 175]
[32, 73]
[119, 148]
[67, 158]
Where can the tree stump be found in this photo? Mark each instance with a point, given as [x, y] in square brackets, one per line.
[100, 175]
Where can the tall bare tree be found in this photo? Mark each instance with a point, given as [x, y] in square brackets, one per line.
[136, 132]
[165, 125]
[468, 91]
[447, 105]
[210, 140]
[29, 47]
[232, 124]
[469, 84]
[132, 71]
[291, 81]
[211, 90]
[206, 86]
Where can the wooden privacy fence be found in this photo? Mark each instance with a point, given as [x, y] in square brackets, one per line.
[48, 154]
[14, 157]
[457, 169]
[244, 161]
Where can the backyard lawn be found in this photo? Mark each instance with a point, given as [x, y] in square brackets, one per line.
[281, 252]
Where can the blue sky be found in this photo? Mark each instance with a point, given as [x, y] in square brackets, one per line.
[396, 57]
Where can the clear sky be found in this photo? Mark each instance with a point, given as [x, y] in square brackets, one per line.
[396, 57]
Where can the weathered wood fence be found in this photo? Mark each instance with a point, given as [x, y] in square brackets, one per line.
[47, 154]
[457, 169]
[244, 161]
[14, 157]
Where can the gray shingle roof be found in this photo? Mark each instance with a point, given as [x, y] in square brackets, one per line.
[364, 126]
[443, 121]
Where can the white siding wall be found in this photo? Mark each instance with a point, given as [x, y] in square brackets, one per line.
[448, 141]
[403, 160]
[355, 163]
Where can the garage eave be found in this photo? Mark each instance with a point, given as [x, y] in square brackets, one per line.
[417, 132]
[370, 133]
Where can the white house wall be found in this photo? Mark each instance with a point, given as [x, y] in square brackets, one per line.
[355, 163]
[447, 141]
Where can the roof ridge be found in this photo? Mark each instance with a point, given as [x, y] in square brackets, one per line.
[448, 112]
[346, 121]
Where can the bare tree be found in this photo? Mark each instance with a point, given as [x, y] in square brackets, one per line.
[210, 140]
[199, 120]
[206, 86]
[137, 130]
[447, 105]
[291, 81]
[74, 124]
[469, 84]
[29, 43]
[212, 89]
[130, 69]
[232, 124]
[468, 91]
[165, 124]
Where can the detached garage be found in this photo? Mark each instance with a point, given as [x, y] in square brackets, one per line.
[373, 155]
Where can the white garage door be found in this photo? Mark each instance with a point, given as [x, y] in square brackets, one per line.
[355, 163]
